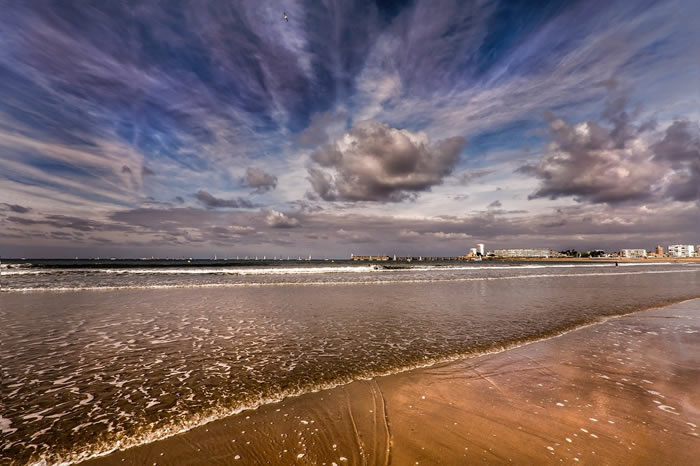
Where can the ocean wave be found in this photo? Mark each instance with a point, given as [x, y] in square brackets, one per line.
[26, 269]
[200, 271]
[326, 283]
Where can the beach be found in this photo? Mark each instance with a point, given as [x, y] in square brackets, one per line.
[621, 391]
[277, 363]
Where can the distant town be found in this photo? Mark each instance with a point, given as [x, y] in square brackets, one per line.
[479, 252]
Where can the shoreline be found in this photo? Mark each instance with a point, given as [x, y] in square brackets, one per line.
[375, 385]
[314, 283]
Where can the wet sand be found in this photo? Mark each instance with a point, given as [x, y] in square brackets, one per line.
[626, 391]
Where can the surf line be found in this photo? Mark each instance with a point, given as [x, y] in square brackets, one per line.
[326, 283]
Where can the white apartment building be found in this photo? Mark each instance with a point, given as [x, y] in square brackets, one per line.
[633, 253]
[681, 250]
[525, 253]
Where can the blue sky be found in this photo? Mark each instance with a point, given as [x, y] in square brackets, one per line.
[423, 127]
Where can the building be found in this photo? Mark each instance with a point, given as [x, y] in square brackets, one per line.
[473, 251]
[525, 253]
[633, 253]
[369, 258]
[681, 250]
[659, 251]
[480, 248]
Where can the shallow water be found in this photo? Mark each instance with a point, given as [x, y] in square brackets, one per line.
[168, 348]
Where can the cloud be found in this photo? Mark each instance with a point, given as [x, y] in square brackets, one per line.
[374, 162]
[596, 163]
[229, 233]
[619, 160]
[467, 177]
[277, 219]
[321, 125]
[680, 148]
[211, 202]
[450, 235]
[261, 181]
[348, 236]
[495, 205]
[70, 222]
[18, 209]
[83, 111]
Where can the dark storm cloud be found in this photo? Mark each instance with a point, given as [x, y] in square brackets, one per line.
[261, 181]
[373, 162]
[212, 202]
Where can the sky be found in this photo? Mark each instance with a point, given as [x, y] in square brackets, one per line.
[171, 129]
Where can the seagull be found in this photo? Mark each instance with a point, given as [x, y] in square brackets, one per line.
[286, 18]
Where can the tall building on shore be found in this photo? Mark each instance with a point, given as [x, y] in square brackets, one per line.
[659, 250]
[480, 248]
[681, 250]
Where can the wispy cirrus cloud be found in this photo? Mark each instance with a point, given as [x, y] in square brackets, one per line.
[126, 108]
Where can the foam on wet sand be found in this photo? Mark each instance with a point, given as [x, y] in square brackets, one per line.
[623, 391]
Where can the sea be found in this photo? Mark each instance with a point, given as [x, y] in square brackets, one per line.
[100, 355]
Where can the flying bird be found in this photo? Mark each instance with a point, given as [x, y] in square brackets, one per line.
[286, 18]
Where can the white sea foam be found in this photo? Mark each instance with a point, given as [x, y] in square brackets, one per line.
[5, 426]
[205, 270]
[333, 283]
[8, 273]
[205, 418]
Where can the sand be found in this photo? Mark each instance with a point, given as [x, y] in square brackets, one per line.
[626, 391]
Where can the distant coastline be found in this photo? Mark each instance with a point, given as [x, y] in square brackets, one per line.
[593, 259]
